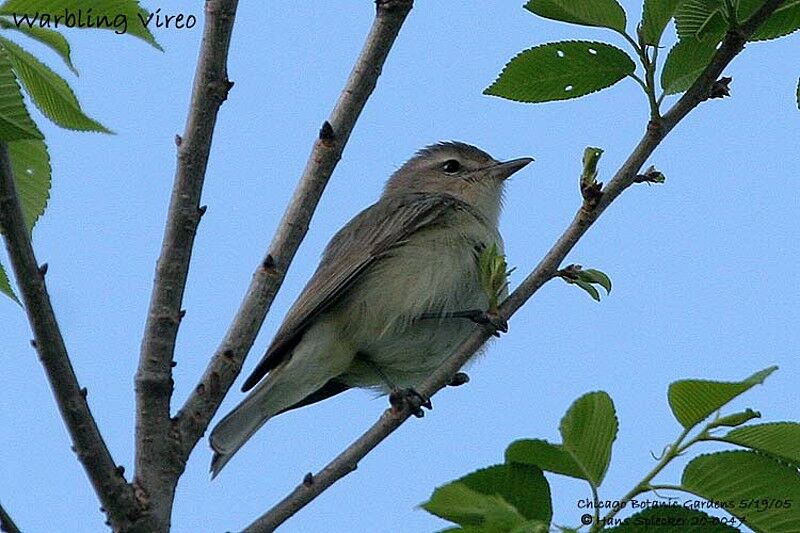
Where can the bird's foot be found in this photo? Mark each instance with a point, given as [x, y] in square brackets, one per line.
[491, 319]
[485, 318]
[399, 398]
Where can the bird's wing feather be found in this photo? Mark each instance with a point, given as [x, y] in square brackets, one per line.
[352, 250]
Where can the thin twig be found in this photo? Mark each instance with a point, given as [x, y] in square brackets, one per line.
[115, 494]
[156, 474]
[225, 365]
[7, 525]
[347, 461]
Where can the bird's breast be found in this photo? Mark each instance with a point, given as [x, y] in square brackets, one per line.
[397, 310]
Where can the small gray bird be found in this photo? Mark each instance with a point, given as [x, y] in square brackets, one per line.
[391, 296]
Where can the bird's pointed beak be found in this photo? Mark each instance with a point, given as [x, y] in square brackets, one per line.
[505, 169]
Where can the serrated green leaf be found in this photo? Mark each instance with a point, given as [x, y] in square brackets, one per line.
[15, 122]
[693, 400]
[685, 62]
[49, 38]
[30, 163]
[588, 431]
[560, 71]
[588, 287]
[598, 13]
[522, 486]
[785, 19]
[123, 16]
[761, 492]
[700, 19]
[656, 15]
[459, 504]
[780, 439]
[549, 457]
[671, 519]
[596, 276]
[5, 286]
[49, 91]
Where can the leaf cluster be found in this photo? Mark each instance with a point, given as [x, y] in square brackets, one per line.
[20, 70]
[570, 69]
[757, 483]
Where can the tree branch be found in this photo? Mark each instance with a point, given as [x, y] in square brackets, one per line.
[115, 494]
[347, 461]
[7, 525]
[156, 476]
[225, 365]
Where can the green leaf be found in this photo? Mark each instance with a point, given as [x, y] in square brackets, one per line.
[588, 287]
[494, 274]
[735, 419]
[590, 160]
[693, 400]
[30, 163]
[760, 491]
[121, 16]
[700, 19]
[503, 494]
[780, 439]
[785, 20]
[592, 275]
[547, 456]
[672, 519]
[685, 62]
[598, 13]
[15, 122]
[49, 91]
[588, 430]
[49, 38]
[5, 286]
[522, 486]
[459, 504]
[560, 71]
[656, 15]
[532, 526]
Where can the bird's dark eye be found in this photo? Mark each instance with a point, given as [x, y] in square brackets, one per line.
[451, 166]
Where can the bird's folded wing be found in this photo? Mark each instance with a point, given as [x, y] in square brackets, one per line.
[352, 250]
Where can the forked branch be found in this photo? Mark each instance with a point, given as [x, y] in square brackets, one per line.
[157, 470]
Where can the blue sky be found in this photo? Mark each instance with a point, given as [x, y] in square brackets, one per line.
[703, 266]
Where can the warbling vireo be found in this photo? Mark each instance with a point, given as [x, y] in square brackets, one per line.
[379, 310]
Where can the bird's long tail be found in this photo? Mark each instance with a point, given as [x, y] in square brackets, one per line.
[238, 426]
[283, 389]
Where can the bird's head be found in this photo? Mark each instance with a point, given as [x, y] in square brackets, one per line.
[460, 170]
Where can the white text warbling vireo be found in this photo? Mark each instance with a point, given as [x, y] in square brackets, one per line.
[378, 311]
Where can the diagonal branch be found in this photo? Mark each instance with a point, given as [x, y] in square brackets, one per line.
[7, 525]
[347, 461]
[115, 494]
[225, 365]
[156, 476]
